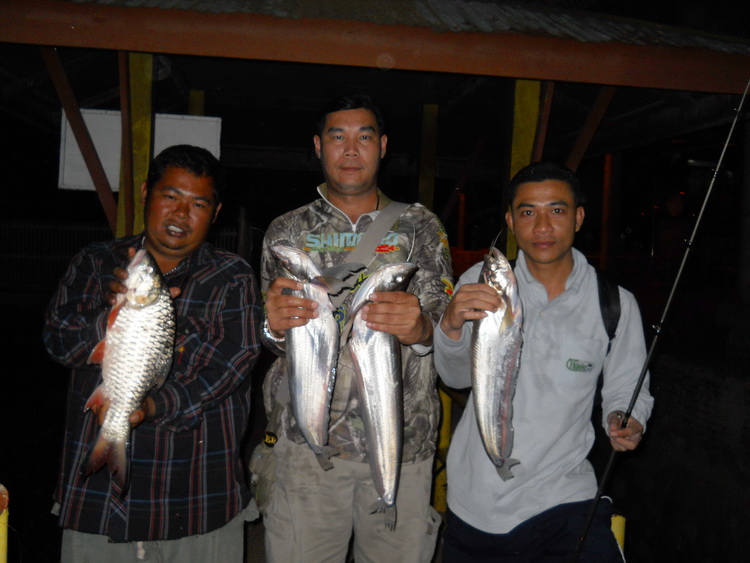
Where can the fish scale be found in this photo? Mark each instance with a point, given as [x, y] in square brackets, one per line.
[135, 355]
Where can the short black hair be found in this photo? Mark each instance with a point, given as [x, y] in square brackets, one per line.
[541, 171]
[196, 160]
[352, 101]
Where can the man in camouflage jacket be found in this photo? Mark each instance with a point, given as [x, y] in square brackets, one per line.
[312, 513]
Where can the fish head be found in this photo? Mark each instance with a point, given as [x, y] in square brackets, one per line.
[398, 276]
[394, 276]
[144, 282]
[296, 263]
[496, 270]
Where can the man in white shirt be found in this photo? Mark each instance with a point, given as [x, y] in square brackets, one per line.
[539, 514]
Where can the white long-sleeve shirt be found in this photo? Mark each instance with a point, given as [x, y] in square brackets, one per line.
[564, 349]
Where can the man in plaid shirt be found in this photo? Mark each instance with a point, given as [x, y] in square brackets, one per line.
[187, 495]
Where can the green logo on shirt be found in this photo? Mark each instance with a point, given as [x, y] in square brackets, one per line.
[578, 365]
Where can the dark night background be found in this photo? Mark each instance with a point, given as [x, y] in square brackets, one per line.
[684, 492]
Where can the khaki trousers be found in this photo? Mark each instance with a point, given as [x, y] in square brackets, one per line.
[313, 513]
[225, 544]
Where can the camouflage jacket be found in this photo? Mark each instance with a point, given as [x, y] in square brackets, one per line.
[327, 234]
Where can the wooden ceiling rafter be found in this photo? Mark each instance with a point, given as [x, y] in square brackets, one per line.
[356, 43]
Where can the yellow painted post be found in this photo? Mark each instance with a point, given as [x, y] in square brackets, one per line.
[618, 529]
[4, 516]
[141, 67]
[525, 118]
[444, 439]
[197, 102]
[427, 162]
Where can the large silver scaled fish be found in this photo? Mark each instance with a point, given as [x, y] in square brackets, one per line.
[377, 363]
[311, 351]
[495, 352]
[135, 356]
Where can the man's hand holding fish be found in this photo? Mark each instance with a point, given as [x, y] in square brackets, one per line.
[398, 313]
[469, 303]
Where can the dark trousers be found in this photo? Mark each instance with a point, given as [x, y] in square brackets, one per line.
[549, 537]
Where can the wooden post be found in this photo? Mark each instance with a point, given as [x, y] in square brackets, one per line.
[141, 67]
[4, 515]
[444, 439]
[197, 102]
[525, 125]
[548, 93]
[427, 157]
[744, 258]
[589, 128]
[125, 214]
[82, 135]
[606, 212]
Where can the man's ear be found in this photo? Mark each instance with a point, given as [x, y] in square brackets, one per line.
[316, 142]
[383, 143]
[144, 194]
[216, 213]
[509, 220]
[580, 214]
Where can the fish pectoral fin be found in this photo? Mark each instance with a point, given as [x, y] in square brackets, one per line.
[97, 398]
[112, 317]
[390, 512]
[324, 457]
[97, 354]
[504, 470]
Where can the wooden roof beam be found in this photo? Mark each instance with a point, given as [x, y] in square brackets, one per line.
[346, 42]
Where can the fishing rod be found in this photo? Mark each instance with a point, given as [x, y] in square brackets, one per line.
[657, 332]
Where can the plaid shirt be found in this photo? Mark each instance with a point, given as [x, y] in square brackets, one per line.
[186, 473]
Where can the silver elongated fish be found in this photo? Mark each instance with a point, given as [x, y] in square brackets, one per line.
[377, 364]
[495, 352]
[135, 355]
[311, 350]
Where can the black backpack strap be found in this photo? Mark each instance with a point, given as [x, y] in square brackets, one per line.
[609, 302]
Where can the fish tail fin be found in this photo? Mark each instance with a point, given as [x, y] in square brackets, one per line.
[504, 470]
[112, 454]
[97, 456]
[389, 511]
[118, 467]
[390, 517]
[323, 455]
